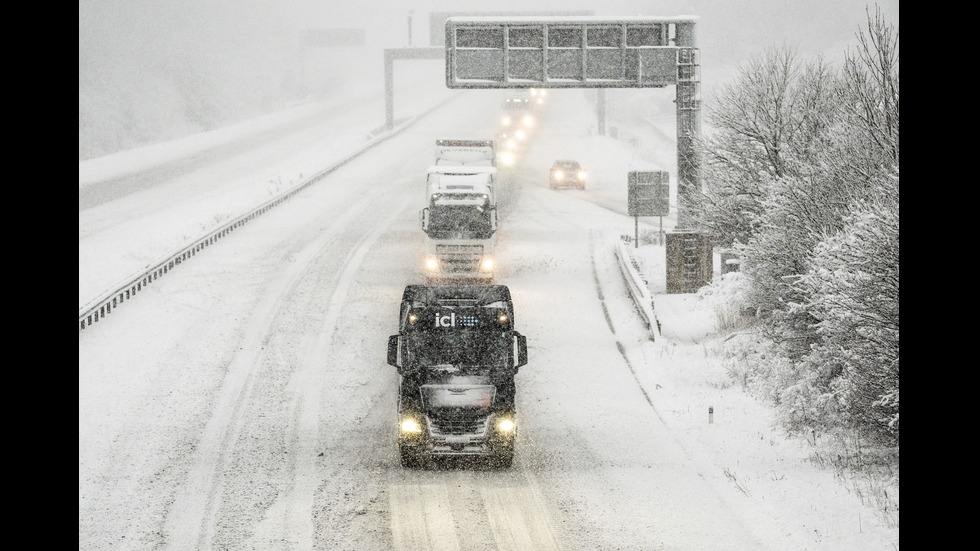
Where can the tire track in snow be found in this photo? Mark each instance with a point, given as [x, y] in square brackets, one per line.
[191, 520]
[306, 480]
[453, 511]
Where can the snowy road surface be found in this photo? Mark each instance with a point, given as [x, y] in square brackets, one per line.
[244, 401]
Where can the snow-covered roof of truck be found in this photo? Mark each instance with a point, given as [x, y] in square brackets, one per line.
[460, 183]
[480, 295]
[462, 169]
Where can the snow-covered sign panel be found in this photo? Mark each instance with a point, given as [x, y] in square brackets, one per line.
[648, 193]
[437, 19]
[567, 52]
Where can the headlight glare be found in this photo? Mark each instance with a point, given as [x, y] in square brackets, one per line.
[410, 424]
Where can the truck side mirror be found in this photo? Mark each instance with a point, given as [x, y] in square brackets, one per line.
[424, 218]
[521, 350]
[393, 351]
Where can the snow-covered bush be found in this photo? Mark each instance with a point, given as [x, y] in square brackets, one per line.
[801, 172]
[854, 291]
[726, 296]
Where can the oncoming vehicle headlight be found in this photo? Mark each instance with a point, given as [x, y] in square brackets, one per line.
[528, 120]
[486, 265]
[581, 175]
[559, 175]
[506, 158]
[410, 424]
[506, 425]
[505, 121]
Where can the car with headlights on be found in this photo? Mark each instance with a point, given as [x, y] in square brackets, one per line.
[567, 173]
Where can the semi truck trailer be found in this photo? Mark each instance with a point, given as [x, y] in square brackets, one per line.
[460, 216]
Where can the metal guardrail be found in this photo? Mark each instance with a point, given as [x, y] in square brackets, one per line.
[638, 289]
[104, 304]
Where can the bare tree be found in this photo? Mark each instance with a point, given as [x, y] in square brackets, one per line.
[869, 96]
[766, 126]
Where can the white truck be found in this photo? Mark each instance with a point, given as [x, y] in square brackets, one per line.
[460, 216]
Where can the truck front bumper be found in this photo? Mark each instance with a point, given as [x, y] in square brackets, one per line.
[492, 435]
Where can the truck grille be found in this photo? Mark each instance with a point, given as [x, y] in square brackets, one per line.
[455, 422]
[460, 258]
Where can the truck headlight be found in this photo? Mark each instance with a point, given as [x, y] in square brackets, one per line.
[432, 264]
[506, 425]
[486, 265]
[411, 425]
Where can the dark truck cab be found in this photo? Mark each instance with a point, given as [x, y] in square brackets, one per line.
[457, 353]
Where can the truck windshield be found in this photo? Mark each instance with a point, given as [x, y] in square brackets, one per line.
[460, 221]
[474, 352]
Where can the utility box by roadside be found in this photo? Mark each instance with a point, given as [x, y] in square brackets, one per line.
[729, 262]
[690, 262]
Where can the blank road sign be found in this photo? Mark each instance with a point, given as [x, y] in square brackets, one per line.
[649, 193]
[565, 52]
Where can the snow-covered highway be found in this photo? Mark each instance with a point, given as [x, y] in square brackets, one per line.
[244, 401]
